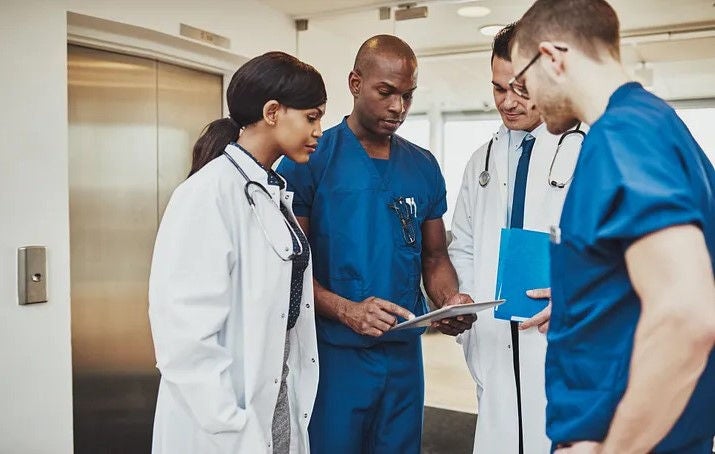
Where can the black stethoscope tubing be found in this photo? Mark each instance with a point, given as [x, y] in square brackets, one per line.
[252, 204]
[484, 176]
[249, 182]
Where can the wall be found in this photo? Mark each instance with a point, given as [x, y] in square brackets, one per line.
[35, 383]
[252, 27]
[330, 45]
[35, 348]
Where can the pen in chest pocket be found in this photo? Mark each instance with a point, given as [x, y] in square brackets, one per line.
[413, 206]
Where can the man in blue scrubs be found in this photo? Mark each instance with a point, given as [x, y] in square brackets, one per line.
[372, 204]
[630, 366]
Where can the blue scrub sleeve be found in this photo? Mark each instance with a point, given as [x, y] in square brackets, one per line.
[300, 182]
[439, 203]
[640, 184]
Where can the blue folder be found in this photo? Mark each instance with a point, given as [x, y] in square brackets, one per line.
[524, 264]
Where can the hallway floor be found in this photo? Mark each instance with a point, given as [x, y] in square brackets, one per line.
[450, 397]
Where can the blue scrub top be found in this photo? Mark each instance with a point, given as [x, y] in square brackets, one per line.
[639, 171]
[358, 244]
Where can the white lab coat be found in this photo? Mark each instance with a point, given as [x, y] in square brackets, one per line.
[218, 305]
[479, 216]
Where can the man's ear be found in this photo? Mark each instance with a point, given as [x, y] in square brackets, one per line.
[354, 83]
[270, 112]
[553, 60]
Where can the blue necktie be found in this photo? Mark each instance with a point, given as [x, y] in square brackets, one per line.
[522, 169]
[517, 222]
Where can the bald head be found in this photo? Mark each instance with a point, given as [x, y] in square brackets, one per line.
[382, 46]
[382, 83]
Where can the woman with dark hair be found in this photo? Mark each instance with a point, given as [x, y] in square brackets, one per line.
[230, 293]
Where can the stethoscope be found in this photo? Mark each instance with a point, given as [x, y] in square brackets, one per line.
[485, 177]
[287, 254]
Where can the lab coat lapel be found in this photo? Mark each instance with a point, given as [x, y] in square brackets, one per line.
[272, 220]
[500, 156]
[543, 201]
[254, 171]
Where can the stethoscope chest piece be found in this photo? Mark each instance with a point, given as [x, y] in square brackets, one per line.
[484, 178]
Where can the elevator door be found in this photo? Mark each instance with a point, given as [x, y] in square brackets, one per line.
[132, 124]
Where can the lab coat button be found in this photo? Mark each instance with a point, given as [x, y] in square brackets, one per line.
[305, 415]
[312, 359]
[275, 380]
[283, 315]
[307, 306]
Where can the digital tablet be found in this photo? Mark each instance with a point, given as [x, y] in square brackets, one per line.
[446, 312]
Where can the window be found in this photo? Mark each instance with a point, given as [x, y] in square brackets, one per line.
[463, 134]
[416, 129]
[700, 121]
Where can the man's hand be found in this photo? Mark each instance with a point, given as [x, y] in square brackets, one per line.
[581, 447]
[455, 325]
[542, 318]
[373, 316]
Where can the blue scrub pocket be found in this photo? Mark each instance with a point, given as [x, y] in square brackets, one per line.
[351, 289]
[405, 209]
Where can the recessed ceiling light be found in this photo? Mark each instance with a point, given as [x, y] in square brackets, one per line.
[473, 11]
[491, 30]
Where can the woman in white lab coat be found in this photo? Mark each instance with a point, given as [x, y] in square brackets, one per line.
[480, 214]
[230, 292]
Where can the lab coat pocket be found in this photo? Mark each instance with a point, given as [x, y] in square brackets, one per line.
[216, 443]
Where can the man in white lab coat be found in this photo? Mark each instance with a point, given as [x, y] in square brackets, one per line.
[512, 400]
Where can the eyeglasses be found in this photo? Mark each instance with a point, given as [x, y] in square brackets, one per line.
[521, 88]
[406, 212]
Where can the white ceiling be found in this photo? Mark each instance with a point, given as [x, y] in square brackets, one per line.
[683, 68]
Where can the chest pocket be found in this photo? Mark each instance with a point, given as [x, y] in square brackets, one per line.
[406, 223]
[407, 212]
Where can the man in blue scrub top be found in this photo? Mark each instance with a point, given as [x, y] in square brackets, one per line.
[630, 366]
[372, 205]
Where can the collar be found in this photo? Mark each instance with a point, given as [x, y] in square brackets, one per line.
[253, 168]
[346, 128]
[273, 177]
[517, 136]
[622, 93]
[515, 139]
[538, 130]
